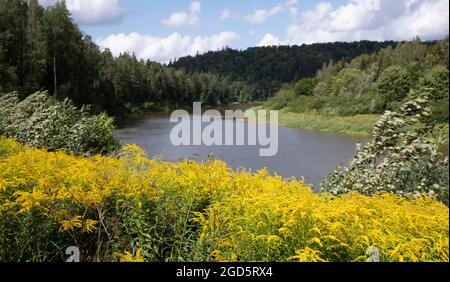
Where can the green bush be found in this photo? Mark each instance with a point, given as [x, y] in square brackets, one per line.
[346, 82]
[394, 84]
[40, 121]
[305, 87]
[337, 105]
[439, 111]
[400, 158]
[321, 89]
[437, 80]
[281, 100]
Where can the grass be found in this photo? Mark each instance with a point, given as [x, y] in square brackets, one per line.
[358, 125]
[347, 114]
[441, 134]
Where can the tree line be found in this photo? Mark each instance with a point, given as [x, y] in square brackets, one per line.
[43, 49]
[268, 68]
[376, 82]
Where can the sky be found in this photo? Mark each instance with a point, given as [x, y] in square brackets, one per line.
[164, 30]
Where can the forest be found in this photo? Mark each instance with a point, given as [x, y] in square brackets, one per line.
[43, 49]
[358, 91]
[268, 68]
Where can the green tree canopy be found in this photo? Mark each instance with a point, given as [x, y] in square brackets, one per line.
[305, 87]
[394, 84]
[437, 80]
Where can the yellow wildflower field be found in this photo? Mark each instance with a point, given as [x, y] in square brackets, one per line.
[132, 208]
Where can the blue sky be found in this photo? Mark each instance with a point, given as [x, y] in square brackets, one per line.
[168, 29]
[144, 17]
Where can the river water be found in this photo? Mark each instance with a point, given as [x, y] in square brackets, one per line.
[301, 152]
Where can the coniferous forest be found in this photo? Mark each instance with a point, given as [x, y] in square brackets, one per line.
[43, 49]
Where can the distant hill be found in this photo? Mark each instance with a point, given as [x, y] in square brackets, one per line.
[268, 68]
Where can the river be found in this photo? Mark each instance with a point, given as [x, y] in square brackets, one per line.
[301, 152]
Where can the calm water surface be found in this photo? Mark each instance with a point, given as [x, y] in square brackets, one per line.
[301, 153]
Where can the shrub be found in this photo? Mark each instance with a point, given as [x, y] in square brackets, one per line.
[8, 147]
[439, 111]
[347, 82]
[281, 100]
[305, 87]
[437, 80]
[337, 105]
[321, 89]
[394, 84]
[39, 121]
[398, 159]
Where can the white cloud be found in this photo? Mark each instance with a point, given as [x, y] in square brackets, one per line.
[225, 15]
[180, 19]
[164, 49]
[261, 15]
[195, 7]
[371, 19]
[269, 40]
[93, 12]
[430, 21]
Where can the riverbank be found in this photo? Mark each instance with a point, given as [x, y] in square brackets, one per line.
[358, 125]
[139, 115]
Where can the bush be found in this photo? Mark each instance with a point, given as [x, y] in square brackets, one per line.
[305, 87]
[347, 82]
[321, 89]
[439, 111]
[337, 105]
[394, 84]
[281, 100]
[437, 81]
[39, 121]
[398, 159]
[135, 209]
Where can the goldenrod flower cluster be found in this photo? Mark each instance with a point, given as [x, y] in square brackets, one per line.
[131, 208]
[284, 222]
